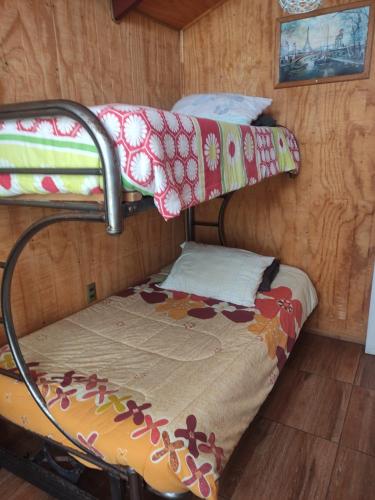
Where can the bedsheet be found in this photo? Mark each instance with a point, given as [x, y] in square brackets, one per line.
[163, 381]
[179, 160]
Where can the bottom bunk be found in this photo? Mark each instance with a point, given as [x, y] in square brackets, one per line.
[160, 381]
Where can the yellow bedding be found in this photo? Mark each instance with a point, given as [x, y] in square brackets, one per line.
[162, 381]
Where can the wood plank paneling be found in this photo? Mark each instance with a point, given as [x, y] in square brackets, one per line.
[69, 49]
[323, 221]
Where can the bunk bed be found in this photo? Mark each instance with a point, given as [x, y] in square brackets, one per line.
[120, 384]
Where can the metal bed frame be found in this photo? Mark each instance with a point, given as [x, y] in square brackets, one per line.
[112, 213]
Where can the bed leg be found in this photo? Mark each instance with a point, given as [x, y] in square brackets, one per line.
[135, 485]
[117, 487]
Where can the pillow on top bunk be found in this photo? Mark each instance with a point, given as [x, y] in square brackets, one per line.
[227, 274]
[232, 108]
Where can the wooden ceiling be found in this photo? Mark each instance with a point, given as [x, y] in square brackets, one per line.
[177, 14]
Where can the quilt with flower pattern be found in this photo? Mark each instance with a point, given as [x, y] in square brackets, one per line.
[179, 160]
[162, 381]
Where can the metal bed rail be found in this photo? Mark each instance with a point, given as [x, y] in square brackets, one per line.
[109, 162]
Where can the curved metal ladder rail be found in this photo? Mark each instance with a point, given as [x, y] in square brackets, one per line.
[128, 473]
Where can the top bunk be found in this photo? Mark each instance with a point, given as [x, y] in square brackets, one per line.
[120, 159]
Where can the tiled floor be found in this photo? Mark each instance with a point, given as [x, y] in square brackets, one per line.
[314, 438]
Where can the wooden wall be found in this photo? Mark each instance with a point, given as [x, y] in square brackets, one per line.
[323, 221]
[72, 49]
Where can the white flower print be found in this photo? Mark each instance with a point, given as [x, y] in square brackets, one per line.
[169, 146]
[65, 125]
[198, 192]
[187, 195]
[135, 130]
[179, 171]
[28, 123]
[155, 119]
[157, 147]
[172, 202]
[121, 152]
[45, 128]
[172, 122]
[249, 147]
[272, 154]
[186, 123]
[183, 145]
[140, 167]
[212, 151]
[296, 155]
[214, 194]
[160, 179]
[192, 169]
[112, 125]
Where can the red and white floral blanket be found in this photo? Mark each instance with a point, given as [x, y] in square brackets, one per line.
[179, 160]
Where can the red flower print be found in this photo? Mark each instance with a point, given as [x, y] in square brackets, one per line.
[134, 411]
[93, 381]
[63, 397]
[150, 426]
[191, 435]
[198, 474]
[6, 181]
[281, 301]
[89, 442]
[169, 449]
[100, 393]
[68, 378]
[211, 447]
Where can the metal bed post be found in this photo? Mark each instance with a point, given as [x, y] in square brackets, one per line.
[191, 222]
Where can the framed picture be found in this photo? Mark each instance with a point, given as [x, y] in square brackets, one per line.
[327, 45]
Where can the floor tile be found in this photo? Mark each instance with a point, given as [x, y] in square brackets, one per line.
[359, 428]
[14, 488]
[353, 476]
[309, 402]
[275, 458]
[327, 357]
[366, 372]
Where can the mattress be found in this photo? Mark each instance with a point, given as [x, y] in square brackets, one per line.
[162, 381]
[179, 160]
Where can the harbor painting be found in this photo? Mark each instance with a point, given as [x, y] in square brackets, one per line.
[330, 45]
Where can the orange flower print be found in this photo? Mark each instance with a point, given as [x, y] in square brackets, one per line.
[178, 308]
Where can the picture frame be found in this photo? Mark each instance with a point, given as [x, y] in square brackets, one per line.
[327, 45]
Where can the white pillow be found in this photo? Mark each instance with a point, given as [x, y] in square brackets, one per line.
[232, 108]
[227, 274]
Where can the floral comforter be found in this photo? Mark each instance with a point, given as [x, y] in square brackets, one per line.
[179, 160]
[162, 381]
